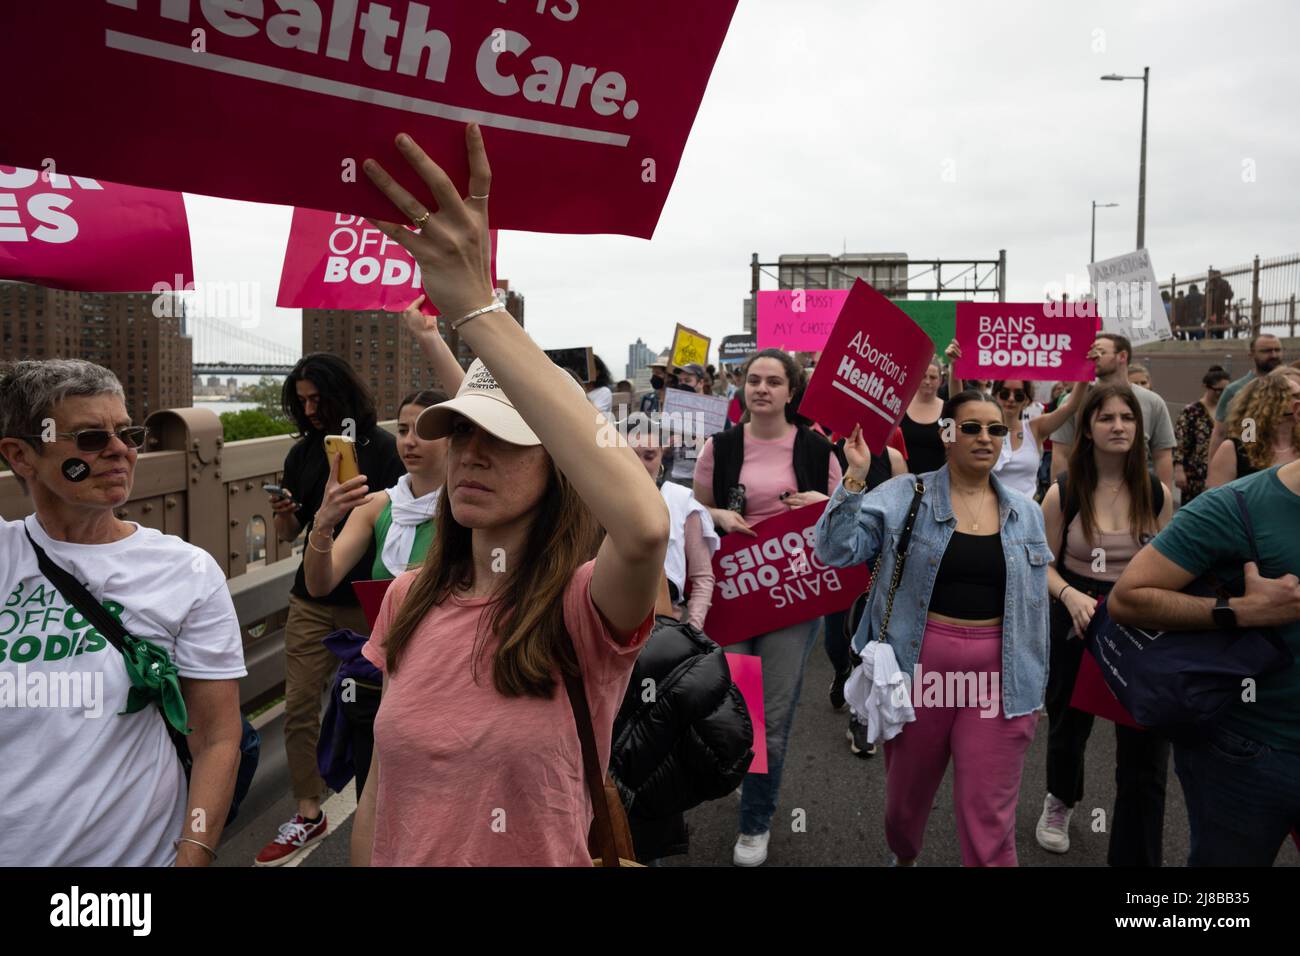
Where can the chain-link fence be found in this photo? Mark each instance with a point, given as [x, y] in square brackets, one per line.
[1236, 301]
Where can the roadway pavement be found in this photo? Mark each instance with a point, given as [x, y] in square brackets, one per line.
[841, 796]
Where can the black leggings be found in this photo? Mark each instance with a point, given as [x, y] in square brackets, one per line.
[1141, 757]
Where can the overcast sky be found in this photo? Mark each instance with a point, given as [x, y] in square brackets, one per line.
[940, 129]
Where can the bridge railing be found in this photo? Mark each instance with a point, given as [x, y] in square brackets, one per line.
[192, 484]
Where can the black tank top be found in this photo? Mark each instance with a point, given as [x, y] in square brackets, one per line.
[1244, 467]
[881, 470]
[924, 446]
[972, 581]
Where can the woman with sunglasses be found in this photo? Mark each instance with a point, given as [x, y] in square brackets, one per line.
[969, 614]
[108, 791]
[1022, 450]
[1098, 516]
[519, 607]
[1192, 434]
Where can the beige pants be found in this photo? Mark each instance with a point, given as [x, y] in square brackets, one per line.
[309, 669]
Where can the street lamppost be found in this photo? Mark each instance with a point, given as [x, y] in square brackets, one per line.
[1142, 162]
[1092, 252]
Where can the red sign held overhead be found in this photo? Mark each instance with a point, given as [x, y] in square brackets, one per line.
[585, 106]
[775, 580]
[870, 368]
[340, 261]
[72, 232]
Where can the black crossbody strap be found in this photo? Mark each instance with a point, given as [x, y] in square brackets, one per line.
[900, 556]
[72, 589]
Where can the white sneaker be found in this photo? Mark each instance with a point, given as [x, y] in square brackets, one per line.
[751, 850]
[1053, 831]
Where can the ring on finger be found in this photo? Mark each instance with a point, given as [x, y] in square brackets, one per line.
[419, 223]
[472, 196]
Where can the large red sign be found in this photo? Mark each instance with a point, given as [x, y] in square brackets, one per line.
[71, 232]
[340, 261]
[585, 106]
[775, 580]
[870, 368]
[1023, 340]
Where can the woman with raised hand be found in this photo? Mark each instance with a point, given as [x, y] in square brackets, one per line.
[1098, 516]
[477, 756]
[968, 617]
[766, 467]
[1022, 451]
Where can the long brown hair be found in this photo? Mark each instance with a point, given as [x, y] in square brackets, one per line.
[528, 614]
[1083, 466]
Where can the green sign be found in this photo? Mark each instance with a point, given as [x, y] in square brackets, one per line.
[938, 319]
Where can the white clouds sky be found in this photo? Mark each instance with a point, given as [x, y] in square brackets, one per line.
[829, 123]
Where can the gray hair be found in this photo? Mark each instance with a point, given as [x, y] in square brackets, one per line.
[30, 390]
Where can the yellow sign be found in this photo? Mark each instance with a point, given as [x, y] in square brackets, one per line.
[689, 347]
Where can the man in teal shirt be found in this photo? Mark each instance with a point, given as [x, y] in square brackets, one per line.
[1266, 353]
[1242, 783]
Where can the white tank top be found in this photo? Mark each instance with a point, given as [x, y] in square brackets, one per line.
[1018, 470]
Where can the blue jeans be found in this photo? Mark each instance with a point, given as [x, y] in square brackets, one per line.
[784, 654]
[1243, 798]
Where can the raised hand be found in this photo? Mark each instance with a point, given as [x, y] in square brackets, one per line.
[451, 244]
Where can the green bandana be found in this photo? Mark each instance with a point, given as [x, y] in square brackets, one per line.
[154, 678]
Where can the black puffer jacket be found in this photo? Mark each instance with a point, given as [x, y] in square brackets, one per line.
[688, 742]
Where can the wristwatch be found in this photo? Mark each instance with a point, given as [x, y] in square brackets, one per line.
[1224, 616]
[854, 485]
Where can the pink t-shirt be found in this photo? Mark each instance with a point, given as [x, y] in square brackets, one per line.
[767, 471]
[468, 777]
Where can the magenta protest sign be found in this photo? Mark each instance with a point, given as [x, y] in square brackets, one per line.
[585, 107]
[747, 675]
[798, 320]
[340, 261]
[71, 232]
[870, 368]
[1023, 340]
[775, 580]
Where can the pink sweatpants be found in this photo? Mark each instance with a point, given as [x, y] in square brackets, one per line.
[988, 751]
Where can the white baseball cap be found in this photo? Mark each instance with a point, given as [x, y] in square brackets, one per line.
[482, 401]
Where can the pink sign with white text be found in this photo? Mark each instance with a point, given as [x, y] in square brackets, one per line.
[1023, 340]
[340, 261]
[747, 675]
[870, 368]
[798, 320]
[585, 107]
[775, 580]
[72, 232]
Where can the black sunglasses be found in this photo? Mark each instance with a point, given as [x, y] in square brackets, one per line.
[996, 430]
[1007, 394]
[96, 439]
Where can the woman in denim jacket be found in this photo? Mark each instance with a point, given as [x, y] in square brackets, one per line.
[969, 627]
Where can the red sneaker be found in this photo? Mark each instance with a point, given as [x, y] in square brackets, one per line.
[290, 841]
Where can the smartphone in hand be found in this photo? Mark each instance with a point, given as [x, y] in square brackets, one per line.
[347, 449]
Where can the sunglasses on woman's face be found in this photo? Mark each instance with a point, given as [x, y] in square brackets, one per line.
[996, 430]
[1010, 394]
[97, 439]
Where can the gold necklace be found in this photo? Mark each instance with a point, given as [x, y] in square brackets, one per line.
[975, 525]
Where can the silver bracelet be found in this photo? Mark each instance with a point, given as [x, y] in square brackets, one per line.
[213, 853]
[494, 307]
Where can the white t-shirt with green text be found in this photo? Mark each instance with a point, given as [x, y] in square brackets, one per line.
[80, 783]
